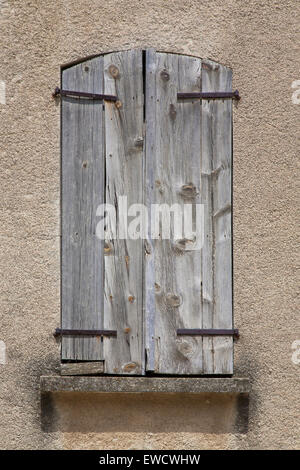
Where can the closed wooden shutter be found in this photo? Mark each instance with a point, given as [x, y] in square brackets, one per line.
[154, 149]
[83, 189]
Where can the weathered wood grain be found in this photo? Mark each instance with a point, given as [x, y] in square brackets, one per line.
[82, 368]
[82, 192]
[123, 295]
[216, 195]
[149, 199]
[147, 289]
[174, 155]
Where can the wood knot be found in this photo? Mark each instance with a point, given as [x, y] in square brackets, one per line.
[157, 287]
[129, 367]
[127, 330]
[184, 244]
[84, 164]
[76, 237]
[173, 300]
[185, 347]
[118, 104]
[159, 186]
[131, 299]
[148, 248]
[107, 248]
[189, 191]
[165, 75]
[139, 142]
[172, 112]
[114, 71]
[181, 244]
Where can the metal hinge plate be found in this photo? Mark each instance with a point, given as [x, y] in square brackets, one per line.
[207, 332]
[210, 95]
[66, 332]
[82, 94]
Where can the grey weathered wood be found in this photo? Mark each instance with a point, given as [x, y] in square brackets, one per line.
[146, 290]
[82, 192]
[182, 150]
[216, 195]
[174, 154]
[149, 264]
[123, 296]
[82, 368]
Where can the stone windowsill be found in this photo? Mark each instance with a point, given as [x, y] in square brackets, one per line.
[109, 384]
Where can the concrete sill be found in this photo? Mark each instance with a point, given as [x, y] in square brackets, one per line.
[233, 385]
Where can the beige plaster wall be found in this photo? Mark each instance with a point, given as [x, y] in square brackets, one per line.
[258, 40]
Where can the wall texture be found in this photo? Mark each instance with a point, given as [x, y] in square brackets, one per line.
[258, 40]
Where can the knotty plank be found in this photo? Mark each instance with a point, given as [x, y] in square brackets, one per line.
[123, 294]
[174, 155]
[216, 194]
[149, 198]
[82, 368]
[82, 192]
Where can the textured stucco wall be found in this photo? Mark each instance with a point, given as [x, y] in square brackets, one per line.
[258, 40]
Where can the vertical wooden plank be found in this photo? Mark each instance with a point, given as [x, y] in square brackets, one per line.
[82, 192]
[149, 199]
[123, 296]
[175, 157]
[217, 252]
[206, 197]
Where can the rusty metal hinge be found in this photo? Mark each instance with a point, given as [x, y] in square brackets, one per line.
[210, 95]
[82, 94]
[207, 332]
[64, 332]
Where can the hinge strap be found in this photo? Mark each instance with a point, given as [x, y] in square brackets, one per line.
[207, 332]
[83, 94]
[210, 95]
[64, 332]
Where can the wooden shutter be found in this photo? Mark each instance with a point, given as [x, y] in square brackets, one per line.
[154, 149]
[102, 159]
[123, 293]
[188, 159]
[83, 150]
